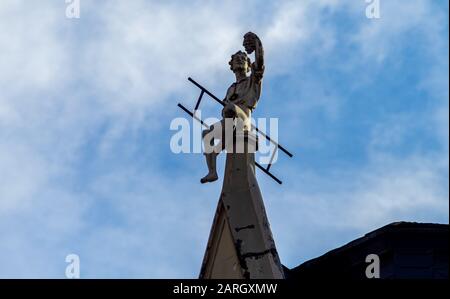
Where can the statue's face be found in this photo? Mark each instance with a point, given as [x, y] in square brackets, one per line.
[239, 63]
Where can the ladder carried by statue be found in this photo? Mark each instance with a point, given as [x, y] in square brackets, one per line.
[277, 146]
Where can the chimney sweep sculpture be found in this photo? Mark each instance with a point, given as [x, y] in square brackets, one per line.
[240, 244]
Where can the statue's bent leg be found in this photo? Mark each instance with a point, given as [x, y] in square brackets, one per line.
[211, 150]
[243, 116]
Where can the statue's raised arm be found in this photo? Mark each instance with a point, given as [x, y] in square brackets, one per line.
[252, 43]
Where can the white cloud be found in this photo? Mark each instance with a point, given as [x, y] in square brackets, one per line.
[379, 37]
[120, 64]
[391, 186]
[351, 203]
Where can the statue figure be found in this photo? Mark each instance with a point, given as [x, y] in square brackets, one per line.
[240, 100]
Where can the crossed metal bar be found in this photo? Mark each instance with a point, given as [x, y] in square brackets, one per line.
[277, 145]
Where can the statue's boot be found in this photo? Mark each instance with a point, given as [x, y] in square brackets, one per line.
[212, 173]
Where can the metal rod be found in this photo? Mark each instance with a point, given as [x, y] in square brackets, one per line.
[269, 174]
[192, 115]
[207, 91]
[275, 143]
[271, 159]
[199, 99]
[253, 127]
[203, 123]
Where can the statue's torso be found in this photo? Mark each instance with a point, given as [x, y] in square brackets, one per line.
[245, 93]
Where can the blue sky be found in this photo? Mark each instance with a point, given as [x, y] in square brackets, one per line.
[86, 105]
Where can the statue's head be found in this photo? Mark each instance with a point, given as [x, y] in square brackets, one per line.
[240, 62]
